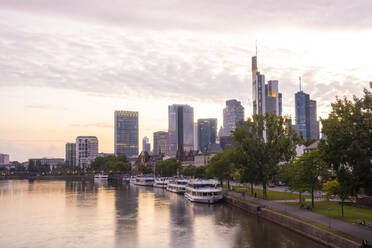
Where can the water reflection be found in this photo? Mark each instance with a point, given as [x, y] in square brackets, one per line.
[84, 214]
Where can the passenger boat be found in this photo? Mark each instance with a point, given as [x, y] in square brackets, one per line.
[126, 179]
[144, 181]
[133, 179]
[100, 177]
[177, 185]
[203, 191]
[161, 182]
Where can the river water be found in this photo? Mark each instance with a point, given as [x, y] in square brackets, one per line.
[75, 214]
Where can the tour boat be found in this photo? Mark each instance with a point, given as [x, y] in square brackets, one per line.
[144, 181]
[100, 177]
[203, 191]
[132, 179]
[177, 185]
[161, 182]
[126, 179]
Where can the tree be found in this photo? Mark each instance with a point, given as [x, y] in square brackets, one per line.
[168, 168]
[111, 163]
[193, 171]
[335, 188]
[347, 148]
[263, 142]
[222, 166]
[307, 173]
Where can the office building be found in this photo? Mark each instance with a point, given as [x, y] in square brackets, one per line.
[307, 125]
[233, 113]
[126, 133]
[4, 159]
[52, 162]
[207, 132]
[196, 140]
[160, 143]
[313, 122]
[266, 97]
[146, 146]
[180, 129]
[86, 150]
[70, 156]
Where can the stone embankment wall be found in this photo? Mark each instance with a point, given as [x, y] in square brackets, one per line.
[320, 235]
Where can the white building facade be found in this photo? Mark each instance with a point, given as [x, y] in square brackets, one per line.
[86, 150]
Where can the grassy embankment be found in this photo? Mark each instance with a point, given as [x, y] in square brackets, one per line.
[271, 194]
[351, 214]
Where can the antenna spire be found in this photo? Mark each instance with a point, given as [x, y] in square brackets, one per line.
[300, 83]
[256, 47]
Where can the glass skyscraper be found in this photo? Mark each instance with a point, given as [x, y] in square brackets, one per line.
[233, 113]
[70, 154]
[161, 143]
[180, 129]
[266, 97]
[306, 116]
[207, 132]
[126, 133]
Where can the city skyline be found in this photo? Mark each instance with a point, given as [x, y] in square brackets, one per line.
[64, 74]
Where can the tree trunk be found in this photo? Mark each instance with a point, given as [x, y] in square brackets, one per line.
[342, 207]
[264, 190]
[312, 197]
[251, 188]
[228, 184]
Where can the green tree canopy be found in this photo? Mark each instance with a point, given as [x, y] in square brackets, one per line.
[347, 148]
[111, 163]
[222, 165]
[168, 167]
[307, 173]
[262, 143]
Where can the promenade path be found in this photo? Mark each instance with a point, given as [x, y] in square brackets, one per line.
[354, 230]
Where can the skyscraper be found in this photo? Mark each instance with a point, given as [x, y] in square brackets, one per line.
[307, 125]
[86, 150]
[266, 97]
[233, 113]
[313, 122]
[196, 140]
[146, 146]
[180, 129]
[161, 143]
[207, 132]
[258, 89]
[70, 154]
[126, 133]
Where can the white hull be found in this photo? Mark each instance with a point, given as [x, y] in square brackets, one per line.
[144, 184]
[179, 190]
[162, 186]
[101, 178]
[204, 199]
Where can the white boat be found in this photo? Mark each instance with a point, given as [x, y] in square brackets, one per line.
[133, 179]
[161, 182]
[203, 191]
[144, 181]
[100, 177]
[177, 185]
[126, 179]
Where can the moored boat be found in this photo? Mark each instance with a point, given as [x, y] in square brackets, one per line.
[144, 181]
[100, 177]
[132, 179]
[203, 191]
[177, 185]
[161, 182]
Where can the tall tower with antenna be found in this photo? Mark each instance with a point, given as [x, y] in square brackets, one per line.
[258, 87]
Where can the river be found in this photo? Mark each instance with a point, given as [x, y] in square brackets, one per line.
[75, 214]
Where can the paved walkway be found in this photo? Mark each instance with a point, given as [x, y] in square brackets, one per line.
[354, 230]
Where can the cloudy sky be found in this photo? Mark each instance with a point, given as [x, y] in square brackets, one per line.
[67, 65]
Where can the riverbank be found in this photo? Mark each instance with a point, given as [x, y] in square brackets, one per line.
[304, 224]
[47, 177]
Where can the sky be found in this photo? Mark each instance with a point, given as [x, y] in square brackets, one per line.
[67, 65]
